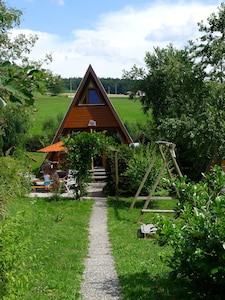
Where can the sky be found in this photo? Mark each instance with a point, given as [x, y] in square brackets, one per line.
[111, 35]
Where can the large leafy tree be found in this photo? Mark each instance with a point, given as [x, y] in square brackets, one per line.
[185, 90]
[210, 47]
[20, 78]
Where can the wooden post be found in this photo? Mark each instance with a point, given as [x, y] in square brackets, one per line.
[116, 174]
[143, 182]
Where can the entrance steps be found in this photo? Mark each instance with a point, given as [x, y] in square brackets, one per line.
[98, 174]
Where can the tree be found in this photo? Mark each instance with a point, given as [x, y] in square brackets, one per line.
[185, 90]
[55, 84]
[210, 47]
[20, 78]
[172, 83]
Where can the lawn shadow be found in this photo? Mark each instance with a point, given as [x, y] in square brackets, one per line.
[122, 204]
[143, 286]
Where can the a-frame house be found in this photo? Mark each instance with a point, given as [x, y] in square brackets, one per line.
[91, 109]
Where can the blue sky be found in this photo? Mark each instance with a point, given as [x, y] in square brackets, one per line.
[111, 35]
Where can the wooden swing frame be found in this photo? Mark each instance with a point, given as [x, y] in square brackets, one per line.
[167, 152]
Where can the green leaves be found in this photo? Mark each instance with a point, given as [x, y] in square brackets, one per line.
[20, 84]
[198, 237]
[82, 148]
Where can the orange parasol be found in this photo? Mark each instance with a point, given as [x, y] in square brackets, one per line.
[59, 146]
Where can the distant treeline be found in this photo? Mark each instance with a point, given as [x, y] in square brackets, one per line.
[111, 85]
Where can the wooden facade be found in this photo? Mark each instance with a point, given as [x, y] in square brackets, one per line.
[91, 106]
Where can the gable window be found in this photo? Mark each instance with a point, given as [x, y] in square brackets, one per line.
[93, 97]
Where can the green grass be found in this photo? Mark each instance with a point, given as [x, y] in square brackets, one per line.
[142, 274]
[58, 232]
[48, 107]
[130, 111]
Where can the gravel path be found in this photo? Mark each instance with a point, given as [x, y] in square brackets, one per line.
[100, 278]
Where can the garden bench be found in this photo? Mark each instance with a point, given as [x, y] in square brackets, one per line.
[37, 187]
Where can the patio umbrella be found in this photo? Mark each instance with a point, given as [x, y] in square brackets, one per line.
[59, 146]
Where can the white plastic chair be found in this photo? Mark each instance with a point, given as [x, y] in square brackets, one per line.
[70, 183]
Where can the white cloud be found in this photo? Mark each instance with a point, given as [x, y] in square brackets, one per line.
[122, 38]
[59, 2]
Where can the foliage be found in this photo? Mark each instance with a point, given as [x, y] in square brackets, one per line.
[124, 154]
[10, 18]
[12, 180]
[54, 262]
[49, 128]
[132, 166]
[137, 166]
[35, 141]
[185, 90]
[210, 47]
[15, 122]
[172, 85]
[21, 83]
[20, 78]
[55, 85]
[111, 85]
[140, 131]
[14, 258]
[197, 238]
[82, 148]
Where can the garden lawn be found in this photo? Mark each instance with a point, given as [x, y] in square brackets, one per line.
[141, 272]
[58, 232]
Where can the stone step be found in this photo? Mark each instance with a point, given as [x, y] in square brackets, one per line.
[98, 174]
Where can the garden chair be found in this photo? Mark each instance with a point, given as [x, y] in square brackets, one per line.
[70, 183]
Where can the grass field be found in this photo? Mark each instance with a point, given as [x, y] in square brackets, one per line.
[58, 234]
[48, 107]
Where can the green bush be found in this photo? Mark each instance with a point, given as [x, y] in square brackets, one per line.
[15, 121]
[33, 142]
[36, 141]
[197, 236]
[14, 271]
[132, 166]
[82, 148]
[124, 154]
[13, 181]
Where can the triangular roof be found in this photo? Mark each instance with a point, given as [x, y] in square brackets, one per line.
[92, 107]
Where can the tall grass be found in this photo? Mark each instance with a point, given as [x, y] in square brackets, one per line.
[58, 234]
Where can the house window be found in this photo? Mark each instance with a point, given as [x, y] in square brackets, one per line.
[93, 97]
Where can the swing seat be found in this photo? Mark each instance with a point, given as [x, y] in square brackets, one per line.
[146, 229]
